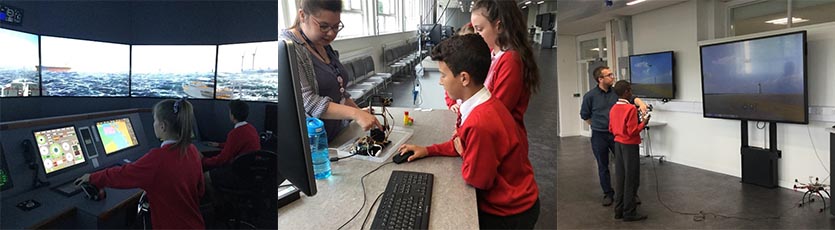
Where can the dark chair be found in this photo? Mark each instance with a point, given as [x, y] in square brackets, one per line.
[249, 184]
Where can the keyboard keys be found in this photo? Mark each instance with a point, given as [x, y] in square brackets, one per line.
[406, 201]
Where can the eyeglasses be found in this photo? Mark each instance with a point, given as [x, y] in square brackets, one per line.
[612, 75]
[326, 28]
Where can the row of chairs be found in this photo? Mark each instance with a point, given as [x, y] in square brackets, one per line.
[363, 80]
[402, 59]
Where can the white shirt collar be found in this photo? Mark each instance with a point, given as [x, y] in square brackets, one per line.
[167, 142]
[239, 124]
[477, 99]
[622, 101]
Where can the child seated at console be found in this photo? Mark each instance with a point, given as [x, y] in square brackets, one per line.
[171, 175]
[493, 146]
[242, 139]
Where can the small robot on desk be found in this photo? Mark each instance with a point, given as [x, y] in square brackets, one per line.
[378, 138]
[812, 189]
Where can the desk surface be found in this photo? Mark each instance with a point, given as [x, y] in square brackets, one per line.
[53, 204]
[339, 197]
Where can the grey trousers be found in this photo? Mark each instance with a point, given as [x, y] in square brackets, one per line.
[627, 178]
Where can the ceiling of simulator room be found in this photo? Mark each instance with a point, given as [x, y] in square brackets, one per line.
[576, 17]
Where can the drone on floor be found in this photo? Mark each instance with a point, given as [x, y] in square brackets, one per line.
[377, 139]
[812, 189]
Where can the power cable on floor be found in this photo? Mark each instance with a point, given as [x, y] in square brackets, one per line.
[702, 215]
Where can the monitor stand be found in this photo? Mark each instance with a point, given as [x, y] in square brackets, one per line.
[287, 193]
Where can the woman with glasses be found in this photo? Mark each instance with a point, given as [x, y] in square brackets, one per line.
[323, 86]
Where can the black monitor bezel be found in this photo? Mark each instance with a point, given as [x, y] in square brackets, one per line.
[295, 157]
[37, 151]
[672, 59]
[120, 150]
[805, 78]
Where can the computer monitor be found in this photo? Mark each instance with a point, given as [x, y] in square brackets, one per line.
[116, 135]
[5, 177]
[294, 160]
[59, 149]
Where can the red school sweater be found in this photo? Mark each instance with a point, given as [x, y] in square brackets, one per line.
[173, 184]
[508, 86]
[240, 140]
[623, 123]
[495, 160]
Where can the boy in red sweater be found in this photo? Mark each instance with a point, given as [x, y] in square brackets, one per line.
[170, 175]
[624, 125]
[493, 146]
[242, 139]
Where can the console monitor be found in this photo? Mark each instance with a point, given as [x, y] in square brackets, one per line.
[5, 177]
[59, 149]
[116, 135]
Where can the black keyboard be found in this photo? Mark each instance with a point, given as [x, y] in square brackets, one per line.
[406, 202]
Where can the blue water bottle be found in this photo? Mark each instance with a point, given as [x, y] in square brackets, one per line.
[319, 148]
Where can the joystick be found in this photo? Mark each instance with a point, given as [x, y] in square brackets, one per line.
[91, 192]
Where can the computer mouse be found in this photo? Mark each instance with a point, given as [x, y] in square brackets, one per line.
[400, 158]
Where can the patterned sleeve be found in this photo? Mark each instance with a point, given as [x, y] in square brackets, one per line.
[314, 104]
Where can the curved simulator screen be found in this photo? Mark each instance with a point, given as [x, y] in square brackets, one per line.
[248, 71]
[80, 68]
[116, 135]
[760, 79]
[652, 75]
[59, 148]
[19, 64]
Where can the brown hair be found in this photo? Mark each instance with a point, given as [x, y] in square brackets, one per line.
[598, 72]
[311, 7]
[466, 29]
[513, 34]
[465, 53]
[177, 114]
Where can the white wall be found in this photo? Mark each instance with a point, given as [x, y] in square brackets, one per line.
[567, 82]
[373, 45]
[714, 144]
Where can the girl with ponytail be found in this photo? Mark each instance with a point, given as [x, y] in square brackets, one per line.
[513, 74]
[172, 175]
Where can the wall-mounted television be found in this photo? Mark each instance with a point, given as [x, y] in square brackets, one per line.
[760, 79]
[72, 67]
[248, 71]
[173, 71]
[18, 64]
[653, 75]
